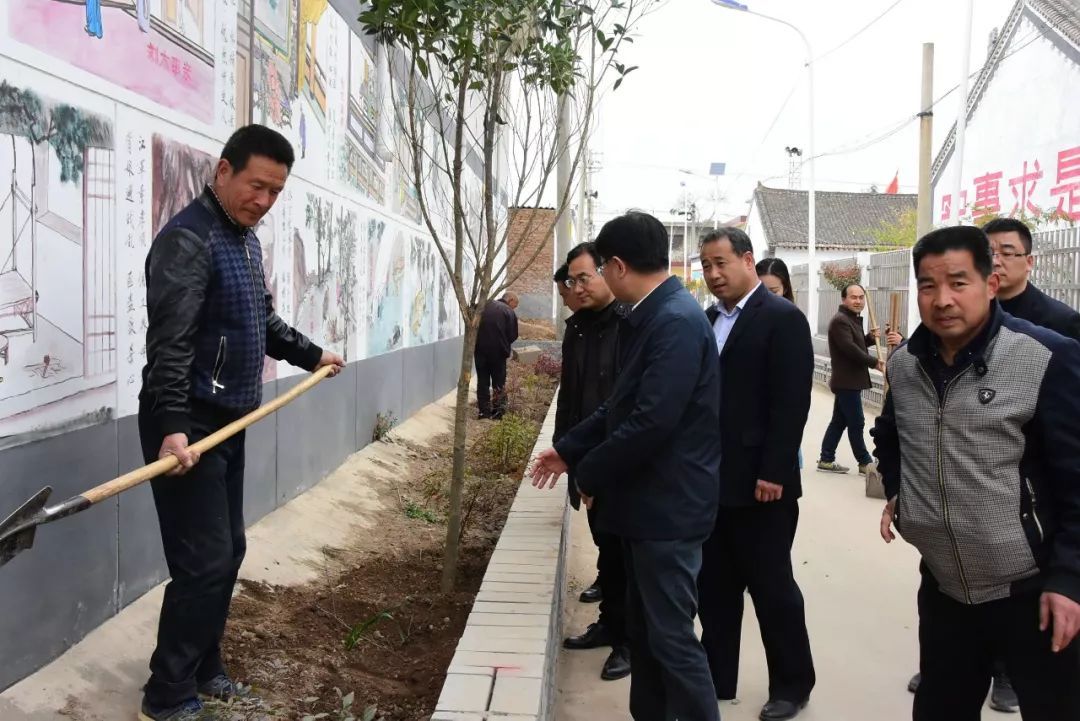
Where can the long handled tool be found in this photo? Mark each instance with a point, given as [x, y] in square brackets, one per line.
[17, 530]
[877, 337]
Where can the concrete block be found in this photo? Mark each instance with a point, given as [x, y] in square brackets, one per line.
[528, 355]
[528, 665]
[539, 609]
[533, 588]
[516, 695]
[465, 692]
[499, 644]
[520, 578]
[528, 620]
[476, 629]
[451, 716]
[523, 598]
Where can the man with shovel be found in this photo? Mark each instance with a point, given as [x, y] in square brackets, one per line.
[211, 322]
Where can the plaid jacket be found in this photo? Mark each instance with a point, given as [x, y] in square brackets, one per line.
[984, 460]
[211, 318]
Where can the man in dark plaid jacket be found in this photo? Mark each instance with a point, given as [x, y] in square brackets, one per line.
[212, 322]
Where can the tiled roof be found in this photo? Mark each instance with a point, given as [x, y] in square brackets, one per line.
[844, 220]
[1063, 16]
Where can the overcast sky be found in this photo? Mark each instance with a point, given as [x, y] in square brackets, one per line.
[712, 80]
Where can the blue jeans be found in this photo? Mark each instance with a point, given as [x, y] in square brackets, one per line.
[847, 414]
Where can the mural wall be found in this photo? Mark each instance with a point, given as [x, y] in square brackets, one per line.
[94, 164]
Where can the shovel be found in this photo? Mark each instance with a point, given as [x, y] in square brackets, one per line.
[17, 530]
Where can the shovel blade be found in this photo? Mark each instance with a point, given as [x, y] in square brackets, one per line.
[17, 530]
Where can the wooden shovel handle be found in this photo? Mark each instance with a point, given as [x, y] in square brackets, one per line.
[164, 465]
[877, 339]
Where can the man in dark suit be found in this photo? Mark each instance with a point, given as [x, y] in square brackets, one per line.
[766, 375]
[497, 332]
[650, 456]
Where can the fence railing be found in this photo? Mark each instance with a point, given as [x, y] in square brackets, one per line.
[828, 296]
[889, 274]
[1057, 264]
[800, 286]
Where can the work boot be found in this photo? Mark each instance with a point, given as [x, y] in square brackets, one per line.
[913, 684]
[190, 710]
[617, 664]
[222, 688]
[595, 636]
[1002, 696]
[831, 467]
[592, 594]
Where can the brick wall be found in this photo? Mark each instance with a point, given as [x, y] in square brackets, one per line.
[534, 287]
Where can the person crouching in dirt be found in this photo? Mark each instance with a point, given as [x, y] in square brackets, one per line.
[211, 323]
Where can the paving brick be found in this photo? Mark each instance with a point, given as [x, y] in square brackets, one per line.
[465, 692]
[530, 578]
[476, 631]
[515, 695]
[500, 644]
[540, 609]
[540, 571]
[510, 597]
[510, 619]
[537, 588]
[529, 665]
[450, 716]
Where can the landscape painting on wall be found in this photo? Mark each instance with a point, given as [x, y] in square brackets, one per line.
[161, 49]
[58, 315]
[387, 288]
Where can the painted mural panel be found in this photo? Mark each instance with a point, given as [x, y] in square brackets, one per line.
[58, 315]
[164, 50]
[386, 312]
[423, 288]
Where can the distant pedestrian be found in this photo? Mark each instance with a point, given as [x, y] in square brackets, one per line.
[494, 339]
[978, 446]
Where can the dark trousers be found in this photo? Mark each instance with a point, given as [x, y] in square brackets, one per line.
[847, 415]
[670, 679]
[612, 575]
[202, 531]
[751, 549]
[491, 386]
[958, 645]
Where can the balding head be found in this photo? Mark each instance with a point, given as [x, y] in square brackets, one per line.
[511, 299]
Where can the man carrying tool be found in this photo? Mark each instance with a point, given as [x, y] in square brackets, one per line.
[211, 323]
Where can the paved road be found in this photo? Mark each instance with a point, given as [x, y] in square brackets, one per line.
[860, 601]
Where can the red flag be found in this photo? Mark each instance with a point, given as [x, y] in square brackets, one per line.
[894, 186]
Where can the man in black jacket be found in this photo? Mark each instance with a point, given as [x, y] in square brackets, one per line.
[979, 451]
[650, 457]
[589, 369]
[766, 376]
[211, 323]
[1010, 241]
[497, 333]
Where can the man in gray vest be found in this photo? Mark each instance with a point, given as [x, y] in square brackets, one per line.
[979, 451]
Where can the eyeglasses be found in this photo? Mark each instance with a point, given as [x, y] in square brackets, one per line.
[582, 279]
[1008, 254]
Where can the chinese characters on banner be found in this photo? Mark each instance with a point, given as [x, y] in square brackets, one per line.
[1019, 196]
[225, 63]
[134, 214]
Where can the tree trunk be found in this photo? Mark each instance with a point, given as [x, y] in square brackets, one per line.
[457, 480]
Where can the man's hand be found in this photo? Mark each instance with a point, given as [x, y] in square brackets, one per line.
[881, 364]
[767, 492]
[873, 333]
[586, 500]
[176, 445]
[1065, 613]
[547, 468]
[887, 517]
[893, 338]
[331, 359]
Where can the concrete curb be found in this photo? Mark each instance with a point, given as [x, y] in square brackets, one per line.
[504, 666]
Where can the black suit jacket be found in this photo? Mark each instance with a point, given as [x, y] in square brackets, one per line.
[651, 453]
[766, 376]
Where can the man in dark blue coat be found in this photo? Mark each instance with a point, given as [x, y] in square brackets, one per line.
[651, 455]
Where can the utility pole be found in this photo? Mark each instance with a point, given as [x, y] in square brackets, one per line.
[926, 129]
[562, 222]
[961, 120]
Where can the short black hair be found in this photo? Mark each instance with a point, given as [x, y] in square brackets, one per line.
[849, 286]
[777, 267]
[561, 274]
[1010, 225]
[257, 140]
[740, 241]
[638, 239]
[581, 249]
[956, 237]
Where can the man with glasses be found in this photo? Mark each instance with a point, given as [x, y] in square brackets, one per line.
[650, 457]
[589, 368]
[1010, 240]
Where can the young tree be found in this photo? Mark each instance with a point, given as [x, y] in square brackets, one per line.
[478, 86]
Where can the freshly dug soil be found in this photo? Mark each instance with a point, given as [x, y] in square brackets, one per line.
[377, 631]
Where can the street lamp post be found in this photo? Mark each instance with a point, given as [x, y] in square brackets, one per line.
[811, 235]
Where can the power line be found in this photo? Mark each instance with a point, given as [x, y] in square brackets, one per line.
[859, 32]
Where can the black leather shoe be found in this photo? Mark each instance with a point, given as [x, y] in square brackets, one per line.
[592, 594]
[781, 710]
[1002, 696]
[617, 665]
[913, 684]
[595, 636]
